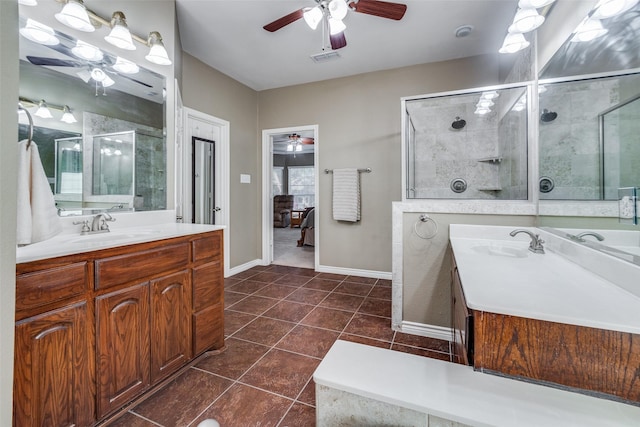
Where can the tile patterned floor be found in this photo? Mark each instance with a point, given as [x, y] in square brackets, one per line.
[279, 323]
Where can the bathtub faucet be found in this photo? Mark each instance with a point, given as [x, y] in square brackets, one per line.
[536, 242]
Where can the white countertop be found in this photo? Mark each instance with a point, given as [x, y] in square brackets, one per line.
[126, 234]
[500, 275]
[458, 393]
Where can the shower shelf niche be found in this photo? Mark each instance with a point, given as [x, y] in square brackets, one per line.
[492, 159]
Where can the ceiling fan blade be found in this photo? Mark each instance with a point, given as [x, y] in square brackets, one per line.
[307, 141]
[382, 9]
[124, 76]
[52, 62]
[284, 21]
[338, 41]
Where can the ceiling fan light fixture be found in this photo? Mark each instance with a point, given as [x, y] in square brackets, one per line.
[290, 147]
[74, 14]
[336, 26]
[338, 9]
[514, 43]
[526, 20]
[107, 81]
[157, 52]
[43, 111]
[589, 30]
[120, 35]
[609, 8]
[298, 147]
[125, 66]
[87, 51]
[313, 17]
[67, 116]
[39, 33]
[98, 75]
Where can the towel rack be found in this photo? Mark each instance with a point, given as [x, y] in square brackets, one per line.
[367, 170]
[21, 107]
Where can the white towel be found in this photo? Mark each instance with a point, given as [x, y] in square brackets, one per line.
[346, 195]
[37, 214]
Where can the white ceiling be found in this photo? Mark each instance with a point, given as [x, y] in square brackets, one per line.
[228, 36]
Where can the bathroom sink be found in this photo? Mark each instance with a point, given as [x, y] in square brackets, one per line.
[113, 237]
[501, 250]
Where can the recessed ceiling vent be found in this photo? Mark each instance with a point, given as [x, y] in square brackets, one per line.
[325, 56]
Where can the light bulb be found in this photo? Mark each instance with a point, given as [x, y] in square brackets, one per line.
[74, 14]
[43, 110]
[298, 147]
[39, 33]
[290, 147]
[338, 9]
[120, 35]
[336, 26]
[157, 53]
[67, 117]
[124, 66]
[87, 51]
[526, 20]
[98, 74]
[313, 17]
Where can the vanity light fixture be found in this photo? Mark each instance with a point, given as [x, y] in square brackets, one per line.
[67, 116]
[492, 94]
[43, 111]
[120, 35]
[481, 111]
[514, 43]
[589, 29]
[609, 8]
[526, 20]
[485, 103]
[39, 33]
[28, 2]
[87, 51]
[536, 4]
[157, 53]
[74, 14]
[125, 66]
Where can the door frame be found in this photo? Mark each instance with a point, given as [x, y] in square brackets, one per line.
[267, 196]
[220, 127]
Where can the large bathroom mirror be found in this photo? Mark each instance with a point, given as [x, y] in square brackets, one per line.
[589, 152]
[467, 145]
[95, 99]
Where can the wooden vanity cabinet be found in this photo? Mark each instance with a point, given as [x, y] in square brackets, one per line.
[53, 370]
[97, 330]
[462, 321]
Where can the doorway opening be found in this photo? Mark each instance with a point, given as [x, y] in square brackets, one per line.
[290, 196]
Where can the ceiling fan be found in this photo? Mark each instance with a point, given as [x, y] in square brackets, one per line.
[294, 138]
[331, 13]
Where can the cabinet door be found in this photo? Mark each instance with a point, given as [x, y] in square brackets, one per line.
[208, 307]
[122, 328]
[170, 324]
[462, 323]
[52, 382]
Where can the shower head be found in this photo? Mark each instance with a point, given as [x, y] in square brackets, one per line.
[458, 123]
[548, 116]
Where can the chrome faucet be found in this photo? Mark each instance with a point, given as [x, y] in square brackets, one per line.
[99, 223]
[536, 242]
[580, 236]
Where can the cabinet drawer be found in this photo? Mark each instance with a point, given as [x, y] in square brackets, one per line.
[45, 287]
[207, 285]
[209, 247]
[208, 330]
[127, 268]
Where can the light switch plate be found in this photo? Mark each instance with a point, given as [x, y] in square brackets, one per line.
[245, 178]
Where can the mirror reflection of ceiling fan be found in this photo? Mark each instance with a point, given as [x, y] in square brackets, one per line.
[331, 13]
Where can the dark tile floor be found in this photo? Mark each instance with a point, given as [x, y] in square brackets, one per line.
[279, 323]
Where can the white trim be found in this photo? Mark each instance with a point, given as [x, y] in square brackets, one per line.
[243, 267]
[267, 198]
[424, 330]
[354, 272]
[222, 171]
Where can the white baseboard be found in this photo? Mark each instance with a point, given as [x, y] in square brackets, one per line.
[244, 267]
[431, 331]
[354, 272]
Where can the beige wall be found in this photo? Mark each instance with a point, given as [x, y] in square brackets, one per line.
[359, 126]
[426, 265]
[211, 92]
[8, 176]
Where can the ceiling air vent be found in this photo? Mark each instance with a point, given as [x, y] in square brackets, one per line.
[325, 56]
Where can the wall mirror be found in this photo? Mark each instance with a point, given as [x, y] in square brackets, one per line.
[101, 96]
[467, 145]
[588, 130]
